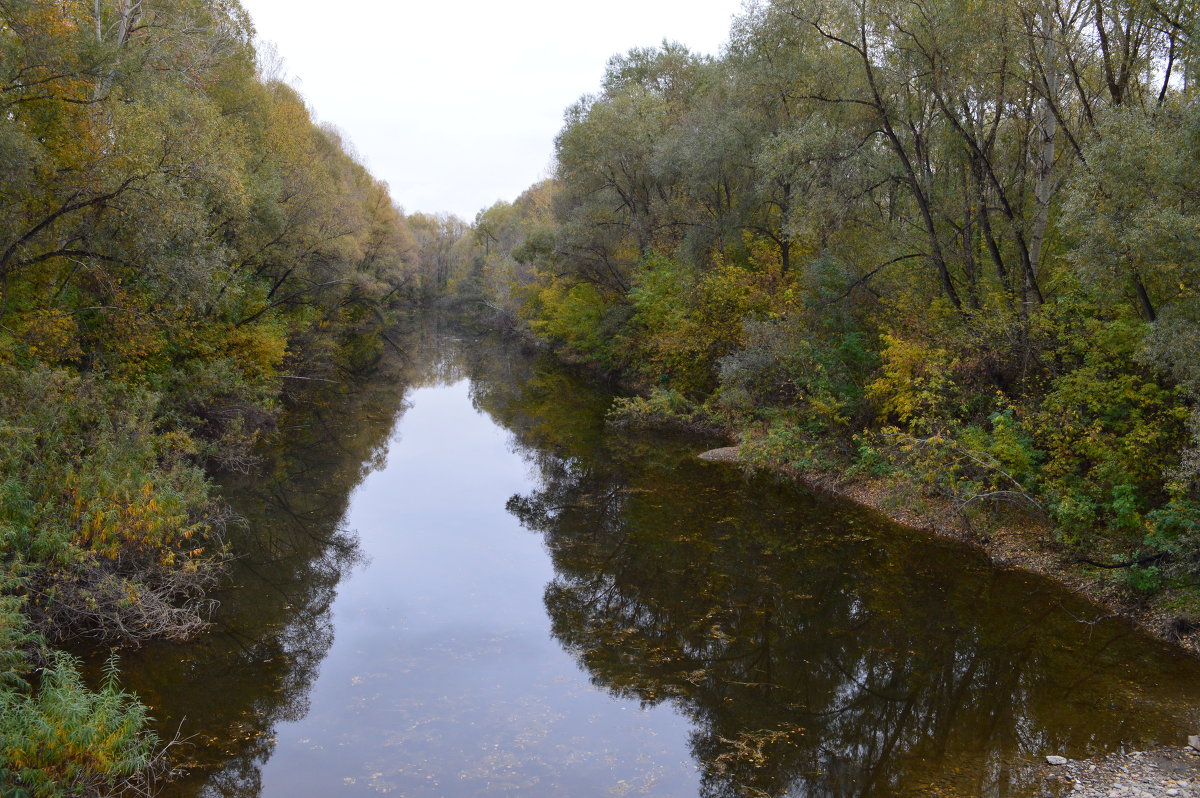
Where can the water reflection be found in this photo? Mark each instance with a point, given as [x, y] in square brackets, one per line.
[817, 650]
[810, 649]
[227, 692]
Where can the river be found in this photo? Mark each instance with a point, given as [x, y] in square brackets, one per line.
[455, 580]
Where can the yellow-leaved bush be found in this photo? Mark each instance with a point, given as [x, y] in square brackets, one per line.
[112, 506]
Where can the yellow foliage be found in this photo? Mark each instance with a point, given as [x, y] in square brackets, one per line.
[691, 321]
[112, 522]
[50, 336]
[258, 349]
[916, 387]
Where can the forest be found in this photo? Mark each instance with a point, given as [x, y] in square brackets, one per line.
[181, 247]
[951, 247]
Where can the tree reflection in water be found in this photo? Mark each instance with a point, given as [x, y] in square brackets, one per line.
[818, 650]
[233, 686]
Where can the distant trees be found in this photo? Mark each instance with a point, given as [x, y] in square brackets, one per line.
[436, 250]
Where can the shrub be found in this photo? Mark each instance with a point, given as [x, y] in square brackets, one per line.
[993, 464]
[784, 442]
[1110, 429]
[917, 387]
[663, 407]
[785, 361]
[1175, 533]
[113, 524]
[687, 321]
[66, 740]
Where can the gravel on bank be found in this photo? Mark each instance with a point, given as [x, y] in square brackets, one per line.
[1173, 772]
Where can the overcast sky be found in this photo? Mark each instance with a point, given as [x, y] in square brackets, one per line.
[456, 104]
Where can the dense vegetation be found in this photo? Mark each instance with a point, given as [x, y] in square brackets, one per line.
[180, 244]
[955, 245]
[948, 244]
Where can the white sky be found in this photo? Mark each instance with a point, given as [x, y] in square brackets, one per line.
[456, 104]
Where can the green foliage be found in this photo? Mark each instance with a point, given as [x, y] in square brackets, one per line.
[869, 460]
[176, 236]
[790, 360]
[663, 407]
[16, 641]
[1143, 578]
[58, 737]
[579, 318]
[64, 739]
[1148, 232]
[1175, 532]
[1110, 430]
[975, 466]
[686, 323]
[1006, 445]
[1173, 347]
[785, 442]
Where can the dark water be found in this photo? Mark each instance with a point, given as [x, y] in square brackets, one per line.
[456, 581]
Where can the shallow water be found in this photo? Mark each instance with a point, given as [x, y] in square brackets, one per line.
[456, 581]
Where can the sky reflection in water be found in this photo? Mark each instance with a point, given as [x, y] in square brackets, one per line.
[671, 629]
[443, 678]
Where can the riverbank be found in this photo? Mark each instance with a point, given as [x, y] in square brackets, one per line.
[1009, 540]
[1172, 772]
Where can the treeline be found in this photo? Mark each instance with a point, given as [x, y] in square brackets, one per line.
[180, 245]
[955, 245]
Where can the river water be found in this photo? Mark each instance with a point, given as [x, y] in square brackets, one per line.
[455, 580]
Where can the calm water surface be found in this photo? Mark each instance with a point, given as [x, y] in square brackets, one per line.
[456, 581]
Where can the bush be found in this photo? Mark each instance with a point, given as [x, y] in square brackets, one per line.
[917, 386]
[784, 442]
[687, 321]
[66, 740]
[1175, 533]
[869, 460]
[60, 738]
[786, 362]
[990, 465]
[113, 526]
[1110, 429]
[663, 407]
